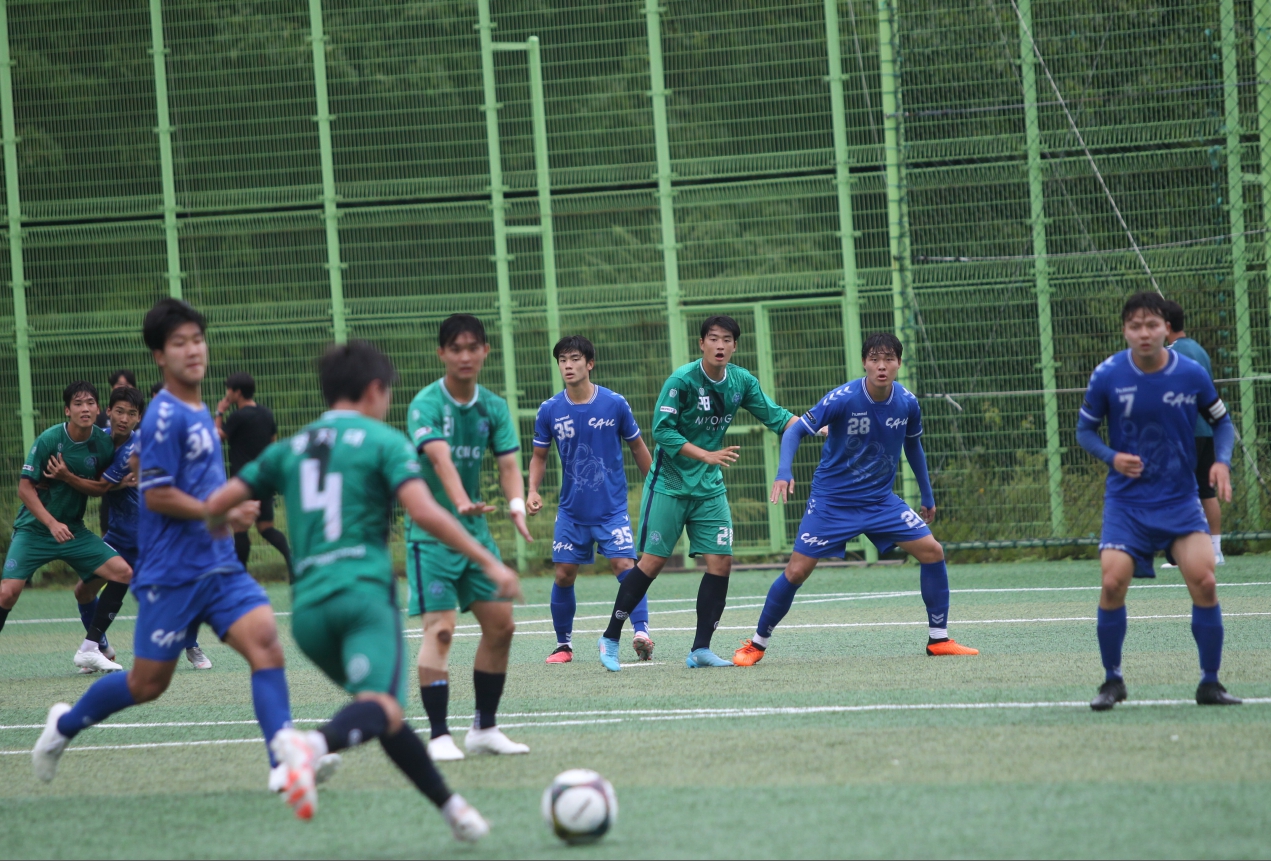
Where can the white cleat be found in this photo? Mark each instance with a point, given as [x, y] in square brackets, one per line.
[109, 651]
[443, 749]
[466, 824]
[52, 744]
[492, 741]
[92, 660]
[1219, 559]
[323, 771]
[196, 657]
[296, 755]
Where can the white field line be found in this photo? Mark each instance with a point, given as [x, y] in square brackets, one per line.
[592, 718]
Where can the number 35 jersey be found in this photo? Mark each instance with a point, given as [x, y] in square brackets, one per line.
[340, 477]
[862, 452]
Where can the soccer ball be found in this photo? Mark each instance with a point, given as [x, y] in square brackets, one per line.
[580, 806]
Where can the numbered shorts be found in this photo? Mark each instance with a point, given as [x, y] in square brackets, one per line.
[575, 543]
[1142, 532]
[168, 617]
[709, 523]
[826, 528]
[441, 579]
[32, 549]
[355, 637]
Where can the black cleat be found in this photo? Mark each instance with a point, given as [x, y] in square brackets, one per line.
[1214, 694]
[1111, 692]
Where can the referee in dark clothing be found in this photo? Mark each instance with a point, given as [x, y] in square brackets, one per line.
[248, 431]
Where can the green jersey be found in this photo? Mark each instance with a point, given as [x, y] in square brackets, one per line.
[339, 476]
[87, 459]
[694, 408]
[482, 423]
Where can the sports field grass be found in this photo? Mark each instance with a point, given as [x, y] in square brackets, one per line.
[845, 741]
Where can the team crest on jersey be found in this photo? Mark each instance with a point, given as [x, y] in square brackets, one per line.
[483, 426]
[90, 462]
[736, 397]
[673, 393]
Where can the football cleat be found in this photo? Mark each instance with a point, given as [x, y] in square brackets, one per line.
[325, 769]
[609, 654]
[937, 648]
[1219, 559]
[93, 661]
[107, 650]
[51, 745]
[643, 645]
[294, 753]
[1111, 692]
[562, 655]
[1214, 694]
[443, 749]
[196, 658]
[748, 655]
[699, 658]
[466, 824]
[492, 741]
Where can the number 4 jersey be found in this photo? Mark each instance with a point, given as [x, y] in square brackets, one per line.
[340, 477]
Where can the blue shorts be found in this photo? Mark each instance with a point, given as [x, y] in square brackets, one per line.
[128, 553]
[169, 616]
[1141, 532]
[574, 543]
[827, 527]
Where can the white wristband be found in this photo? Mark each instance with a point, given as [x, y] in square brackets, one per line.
[516, 506]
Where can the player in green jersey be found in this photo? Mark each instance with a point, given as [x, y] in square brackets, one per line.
[340, 477]
[50, 522]
[685, 489]
[452, 423]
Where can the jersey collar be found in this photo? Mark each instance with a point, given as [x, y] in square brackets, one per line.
[870, 398]
[476, 393]
[707, 376]
[595, 393]
[1170, 365]
[339, 414]
[71, 439]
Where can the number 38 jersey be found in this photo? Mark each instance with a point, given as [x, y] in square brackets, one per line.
[862, 452]
[340, 477]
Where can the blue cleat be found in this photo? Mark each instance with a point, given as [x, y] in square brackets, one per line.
[705, 658]
[609, 654]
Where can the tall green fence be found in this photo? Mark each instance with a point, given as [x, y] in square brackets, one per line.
[987, 178]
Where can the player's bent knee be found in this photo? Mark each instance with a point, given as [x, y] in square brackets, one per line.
[9, 592]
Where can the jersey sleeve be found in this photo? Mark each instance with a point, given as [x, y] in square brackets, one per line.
[398, 461]
[119, 469]
[914, 428]
[758, 404]
[36, 458]
[263, 475]
[1211, 407]
[825, 411]
[627, 424]
[666, 416]
[543, 427]
[1094, 406]
[424, 422]
[503, 436]
[161, 449]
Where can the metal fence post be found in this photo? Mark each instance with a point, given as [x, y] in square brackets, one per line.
[164, 130]
[330, 211]
[13, 204]
[1041, 272]
[843, 182]
[771, 444]
[1262, 65]
[543, 174]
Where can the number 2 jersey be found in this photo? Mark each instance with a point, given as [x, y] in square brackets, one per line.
[340, 476]
[1152, 416]
[589, 439]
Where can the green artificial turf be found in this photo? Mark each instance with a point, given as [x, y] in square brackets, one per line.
[846, 740]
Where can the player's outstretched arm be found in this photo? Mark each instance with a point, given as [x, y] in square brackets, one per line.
[513, 485]
[440, 524]
[438, 452]
[538, 469]
[30, 497]
[640, 451]
[56, 470]
[784, 483]
[918, 463]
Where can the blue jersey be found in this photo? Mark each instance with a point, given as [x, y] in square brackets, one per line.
[179, 447]
[589, 437]
[862, 452]
[122, 504]
[1152, 416]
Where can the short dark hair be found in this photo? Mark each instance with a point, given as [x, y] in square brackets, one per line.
[1174, 315]
[1152, 303]
[164, 317]
[455, 325]
[126, 375]
[76, 388]
[241, 382]
[345, 370]
[156, 388]
[574, 344]
[883, 342]
[129, 394]
[722, 321]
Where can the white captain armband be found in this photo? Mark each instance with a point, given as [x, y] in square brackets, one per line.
[1214, 413]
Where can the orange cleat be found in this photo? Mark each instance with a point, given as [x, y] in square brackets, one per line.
[949, 647]
[562, 655]
[748, 655]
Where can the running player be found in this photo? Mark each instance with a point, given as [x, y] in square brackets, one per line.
[50, 523]
[185, 575]
[452, 423]
[588, 423]
[340, 477]
[870, 421]
[1151, 398]
[685, 489]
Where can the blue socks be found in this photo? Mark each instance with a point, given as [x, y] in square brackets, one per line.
[273, 708]
[933, 579]
[780, 596]
[640, 615]
[1110, 626]
[1207, 629]
[563, 606]
[86, 613]
[107, 696]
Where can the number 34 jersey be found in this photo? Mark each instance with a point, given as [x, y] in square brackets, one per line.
[340, 477]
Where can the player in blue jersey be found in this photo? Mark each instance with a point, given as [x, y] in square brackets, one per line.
[185, 575]
[1151, 397]
[589, 424]
[868, 422]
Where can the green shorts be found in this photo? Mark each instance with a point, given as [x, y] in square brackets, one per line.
[355, 638]
[442, 579]
[662, 518]
[31, 549]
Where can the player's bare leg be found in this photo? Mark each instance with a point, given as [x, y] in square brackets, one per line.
[934, 580]
[563, 605]
[434, 683]
[712, 596]
[489, 673]
[631, 592]
[10, 592]
[1195, 556]
[91, 657]
[776, 605]
[1117, 572]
